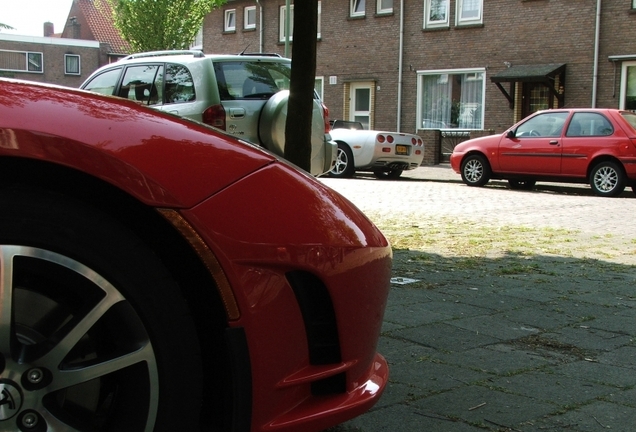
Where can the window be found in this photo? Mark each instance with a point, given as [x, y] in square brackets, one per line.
[249, 19]
[21, 61]
[179, 86]
[548, 124]
[283, 23]
[633, 4]
[589, 124]
[104, 83]
[451, 99]
[436, 13]
[71, 64]
[628, 86]
[138, 84]
[319, 86]
[357, 8]
[469, 12]
[385, 6]
[230, 20]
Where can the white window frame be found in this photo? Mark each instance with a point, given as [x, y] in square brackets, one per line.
[624, 66]
[459, 21]
[247, 25]
[357, 8]
[386, 10]
[428, 23]
[27, 63]
[281, 21]
[633, 4]
[444, 75]
[319, 86]
[229, 23]
[79, 64]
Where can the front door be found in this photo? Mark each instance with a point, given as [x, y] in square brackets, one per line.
[360, 108]
[536, 97]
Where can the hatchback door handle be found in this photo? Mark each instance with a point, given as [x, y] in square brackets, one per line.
[554, 142]
[237, 113]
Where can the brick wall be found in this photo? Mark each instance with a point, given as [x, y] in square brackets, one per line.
[516, 31]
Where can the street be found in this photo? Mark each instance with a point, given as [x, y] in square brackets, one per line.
[505, 340]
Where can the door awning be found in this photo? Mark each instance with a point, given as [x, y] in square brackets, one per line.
[540, 73]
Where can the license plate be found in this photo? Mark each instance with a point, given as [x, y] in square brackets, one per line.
[402, 150]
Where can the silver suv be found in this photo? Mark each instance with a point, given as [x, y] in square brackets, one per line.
[245, 95]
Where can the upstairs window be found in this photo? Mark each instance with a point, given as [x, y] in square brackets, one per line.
[249, 19]
[386, 6]
[230, 20]
[282, 20]
[469, 12]
[71, 64]
[357, 8]
[436, 13]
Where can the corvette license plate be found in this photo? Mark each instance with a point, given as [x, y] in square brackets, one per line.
[402, 150]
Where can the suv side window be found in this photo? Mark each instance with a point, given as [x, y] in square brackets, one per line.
[138, 84]
[104, 83]
[250, 80]
[179, 84]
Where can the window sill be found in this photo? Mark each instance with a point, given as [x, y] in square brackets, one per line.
[229, 32]
[384, 14]
[469, 26]
[354, 18]
[436, 29]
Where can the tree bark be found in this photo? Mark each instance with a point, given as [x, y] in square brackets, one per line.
[301, 86]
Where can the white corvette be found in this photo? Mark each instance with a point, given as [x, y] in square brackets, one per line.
[385, 154]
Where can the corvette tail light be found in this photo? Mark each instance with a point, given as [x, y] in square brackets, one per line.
[386, 149]
[381, 139]
[416, 141]
[214, 116]
[390, 139]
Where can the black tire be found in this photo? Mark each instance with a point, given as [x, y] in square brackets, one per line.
[388, 175]
[634, 189]
[344, 166]
[521, 184]
[475, 170]
[607, 179]
[103, 334]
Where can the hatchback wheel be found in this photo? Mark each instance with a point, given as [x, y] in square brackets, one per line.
[344, 166]
[475, 170]
[607, 179]
[94, 335]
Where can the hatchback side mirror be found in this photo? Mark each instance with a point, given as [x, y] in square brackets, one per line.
[510, 134]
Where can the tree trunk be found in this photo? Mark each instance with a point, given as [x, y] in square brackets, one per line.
[301, 87]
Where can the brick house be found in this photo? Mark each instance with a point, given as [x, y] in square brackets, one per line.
[89, 40]
[51, 60]
[474, 65]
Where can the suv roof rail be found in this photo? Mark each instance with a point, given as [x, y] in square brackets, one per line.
[195, 53]
[260, 54]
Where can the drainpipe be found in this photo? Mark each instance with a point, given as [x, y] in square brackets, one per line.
[596, 49]
[400, 61]
[260, 26]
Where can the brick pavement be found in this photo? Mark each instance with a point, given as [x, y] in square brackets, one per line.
[477, 347]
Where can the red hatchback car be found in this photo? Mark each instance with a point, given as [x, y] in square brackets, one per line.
[595, 146]
[159, 275]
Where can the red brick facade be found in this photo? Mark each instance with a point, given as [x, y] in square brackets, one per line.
[517, 32]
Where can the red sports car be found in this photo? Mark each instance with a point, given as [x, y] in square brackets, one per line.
[595, 146]
[158, 275]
